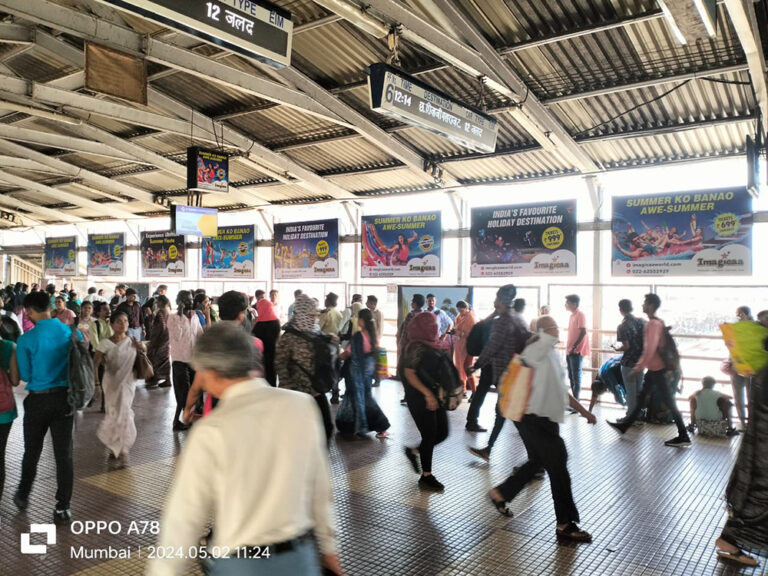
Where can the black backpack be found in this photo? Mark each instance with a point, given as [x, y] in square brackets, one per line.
[437, 372]
[325, 355]
[478, 337]
[668, 351]
[80, 378]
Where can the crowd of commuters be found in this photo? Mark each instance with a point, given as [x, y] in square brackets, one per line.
[242, 369]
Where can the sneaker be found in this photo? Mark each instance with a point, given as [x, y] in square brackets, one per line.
[732, 432]
[62, 516]
[430, 483]
[691, 428]
[475, 428]
[413, 459]
[679, 442]
[621, 427]
[20, 501]
[482, 453]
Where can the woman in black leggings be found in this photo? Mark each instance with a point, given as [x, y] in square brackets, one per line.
[431, 418]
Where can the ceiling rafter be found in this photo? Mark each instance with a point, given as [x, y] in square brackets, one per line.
[59, 194]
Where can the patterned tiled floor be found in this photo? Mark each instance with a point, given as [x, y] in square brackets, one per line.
[652, 510]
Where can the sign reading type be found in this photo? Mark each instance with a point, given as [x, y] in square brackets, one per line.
[254, 28]
[395, 93]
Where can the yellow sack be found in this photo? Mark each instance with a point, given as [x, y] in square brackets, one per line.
[515, 389]
[745, 344]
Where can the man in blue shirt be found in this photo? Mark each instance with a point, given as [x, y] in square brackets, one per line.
[42, 357]
[444, 322]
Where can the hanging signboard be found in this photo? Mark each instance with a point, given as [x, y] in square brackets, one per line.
[194, 220]
[254, 28]
[229, 254]
[394, 93]
[404, 245]
[106, 254]
[527, 240]
[683, 234]
[61, 256]
[207, 170]
[162, 254]
[307, 249]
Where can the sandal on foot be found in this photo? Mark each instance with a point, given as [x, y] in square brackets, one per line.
[501, 507]
[739, 557]
[573, 533]
[384, 434]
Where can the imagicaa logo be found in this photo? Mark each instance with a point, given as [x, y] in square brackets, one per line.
[26, 544]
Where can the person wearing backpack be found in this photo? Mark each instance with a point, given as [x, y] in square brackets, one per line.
[296, 360]
[42, 356]
[655, 336]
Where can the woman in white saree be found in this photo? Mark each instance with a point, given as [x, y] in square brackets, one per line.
[118, 353]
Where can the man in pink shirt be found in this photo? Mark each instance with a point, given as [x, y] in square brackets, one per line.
[656, 377]
[577, 345]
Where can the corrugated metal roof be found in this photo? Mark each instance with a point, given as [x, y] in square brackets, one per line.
[614, 126]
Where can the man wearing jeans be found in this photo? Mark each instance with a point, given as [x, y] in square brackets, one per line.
[656, 378]
[577, 345]
[630, 336]
[42, 356]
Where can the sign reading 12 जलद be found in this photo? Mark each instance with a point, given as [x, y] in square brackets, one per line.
[254, 28]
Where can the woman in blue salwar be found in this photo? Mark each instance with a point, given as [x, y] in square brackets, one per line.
[358, 401]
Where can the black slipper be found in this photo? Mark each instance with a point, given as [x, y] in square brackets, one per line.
[501, 507]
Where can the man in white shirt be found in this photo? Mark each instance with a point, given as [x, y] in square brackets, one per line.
[271, 503]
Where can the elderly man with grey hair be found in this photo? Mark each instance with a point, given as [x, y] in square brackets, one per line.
[271, 503]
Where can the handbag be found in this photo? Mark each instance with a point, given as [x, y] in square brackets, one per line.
[515, 389]
[142, 367]
[382, 364]
[7, 402]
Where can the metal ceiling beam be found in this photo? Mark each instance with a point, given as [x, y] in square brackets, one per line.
[744, 21]
[99, 30]
[15, 34]
[654, 14]
[483, 58]
[261, 155]
[55, 215]
[646, 83]
[60, 195]
[52, 140]
[365, 127]
[93, 179]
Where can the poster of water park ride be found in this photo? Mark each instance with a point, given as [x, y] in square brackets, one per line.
[61, 256]
[229, 254]
[524, 240]
[403, 245]
[705, 232]
[307, 249]
[106, 254]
